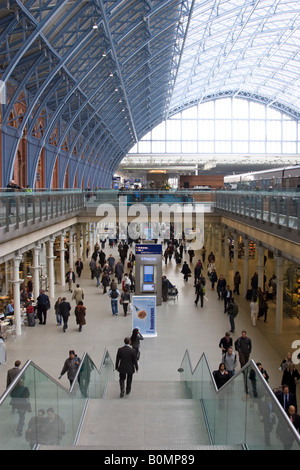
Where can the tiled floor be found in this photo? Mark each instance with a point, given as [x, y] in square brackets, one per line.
[180, 326]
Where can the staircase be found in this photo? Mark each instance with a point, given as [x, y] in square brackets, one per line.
[156, 415]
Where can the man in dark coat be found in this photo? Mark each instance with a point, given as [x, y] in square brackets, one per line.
[64, 312]
[286, 398]
[43, 304]
[126, 365]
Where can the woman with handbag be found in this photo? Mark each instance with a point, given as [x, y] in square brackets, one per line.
[124, 300]
[135, 339]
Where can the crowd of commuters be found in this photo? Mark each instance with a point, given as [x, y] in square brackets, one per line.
[115, 277]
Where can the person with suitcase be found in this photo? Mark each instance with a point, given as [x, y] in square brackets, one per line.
[30, 314]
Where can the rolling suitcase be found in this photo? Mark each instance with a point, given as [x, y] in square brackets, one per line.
[31, 319]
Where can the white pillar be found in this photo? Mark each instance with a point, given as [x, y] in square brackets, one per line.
[90, 238]
[62, 259]
[51, 259]
[83, 242]
[16, 282]
[78, 240]
[71, 248]
[279, 293]
[36, 271]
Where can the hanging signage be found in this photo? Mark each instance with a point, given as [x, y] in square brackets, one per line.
[144, 314]
[148, 249]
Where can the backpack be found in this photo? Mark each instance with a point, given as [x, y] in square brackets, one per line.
[114, 294]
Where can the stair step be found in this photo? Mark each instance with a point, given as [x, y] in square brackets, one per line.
[143, 423]
[187, 448]
[153, 390]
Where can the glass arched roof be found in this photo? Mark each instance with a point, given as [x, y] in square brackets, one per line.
[241, 48]
[92, 77]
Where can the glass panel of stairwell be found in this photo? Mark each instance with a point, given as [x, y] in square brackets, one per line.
[93, 382]
[37, 410]
[244, 411]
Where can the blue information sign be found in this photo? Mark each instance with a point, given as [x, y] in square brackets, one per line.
[151, 249]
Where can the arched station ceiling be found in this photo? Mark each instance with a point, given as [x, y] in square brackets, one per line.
[94, 76]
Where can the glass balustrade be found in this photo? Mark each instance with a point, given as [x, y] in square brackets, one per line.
[281, 208]
[21, 209]
[244, 411]
[36, 409]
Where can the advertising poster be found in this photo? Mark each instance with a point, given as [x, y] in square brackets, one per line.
[143, 314]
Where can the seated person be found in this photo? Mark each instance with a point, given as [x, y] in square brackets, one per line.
[9, 309]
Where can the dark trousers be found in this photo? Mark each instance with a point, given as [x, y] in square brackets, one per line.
[128, 382]
[125, 308]
[42, 314]
[197, 299]
[65, 322]
[244, 358]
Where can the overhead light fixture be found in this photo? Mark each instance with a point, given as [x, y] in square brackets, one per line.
[111, 74]
[95, 26]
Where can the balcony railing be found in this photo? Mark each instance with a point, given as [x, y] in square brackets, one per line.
[21, 209]
[279, 208]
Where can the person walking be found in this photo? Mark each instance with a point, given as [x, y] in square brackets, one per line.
[70, 366]
[119, 270]
[264, 307]
[70, 279]
[221, 286]
[43, 304]
[64, 311]
[227, 297]
[12, 373]
[135, 339]
[236, 283]
[80, 312]
[114, 294]
[294, 417]
[290, 377]
[79, 267]
[105, 281]
[213, 278]
[199, 291]
[185, 271]
[221, 375]
[93, 266]
[232, 310]
[254, 310]
[98, 272]
[243, 346]
[124, 300]
[126, 365]
[57, 311]
[230, 361]
[78, 294]
[225, 343]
